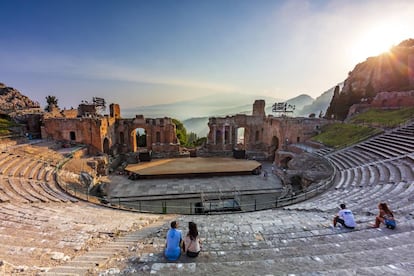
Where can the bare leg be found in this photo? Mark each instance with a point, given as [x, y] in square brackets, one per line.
[335, 221]
[378, 221]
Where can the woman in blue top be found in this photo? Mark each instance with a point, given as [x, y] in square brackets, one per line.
[173, 245]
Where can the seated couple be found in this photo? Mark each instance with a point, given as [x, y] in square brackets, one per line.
[191, 244]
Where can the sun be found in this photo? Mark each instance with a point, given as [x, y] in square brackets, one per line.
[377, 40]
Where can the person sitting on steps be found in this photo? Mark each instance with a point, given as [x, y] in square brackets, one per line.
[385, 216]
[192, 244]
[173, 244]
[345, 218]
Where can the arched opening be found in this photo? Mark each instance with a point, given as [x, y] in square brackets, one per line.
[275, 143]
[140, 138]
[106, 146]
[274, 146]
[240, 141]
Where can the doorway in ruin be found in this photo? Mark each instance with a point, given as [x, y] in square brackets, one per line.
[140, 139]
[106, 145]
[274, 146]
[240, 138]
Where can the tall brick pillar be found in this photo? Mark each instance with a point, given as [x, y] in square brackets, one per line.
[259, 108]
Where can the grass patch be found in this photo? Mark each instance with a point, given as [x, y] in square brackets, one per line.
[384, 118]
[340, 135]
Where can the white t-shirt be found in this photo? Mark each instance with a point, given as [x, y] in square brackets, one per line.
[348, 217]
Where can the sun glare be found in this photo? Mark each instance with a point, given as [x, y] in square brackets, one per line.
[376, 41]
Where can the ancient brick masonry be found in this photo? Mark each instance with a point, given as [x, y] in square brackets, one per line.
[263, 135]
[111, 133]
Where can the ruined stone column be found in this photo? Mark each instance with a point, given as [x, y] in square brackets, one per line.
[230, 136]
[223, 133]
[214, 134]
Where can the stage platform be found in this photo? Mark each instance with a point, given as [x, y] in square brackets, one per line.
[194, 166]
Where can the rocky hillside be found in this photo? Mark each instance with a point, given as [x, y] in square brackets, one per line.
[391, 71]
[320, 104]
[12, 100]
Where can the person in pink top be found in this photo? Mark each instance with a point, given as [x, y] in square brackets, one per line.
[192, 243]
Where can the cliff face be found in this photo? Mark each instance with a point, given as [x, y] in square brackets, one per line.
[392, 71]
[12, 100]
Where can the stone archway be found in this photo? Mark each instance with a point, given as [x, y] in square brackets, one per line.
[139, 139]
[274, 146]
[240, 138]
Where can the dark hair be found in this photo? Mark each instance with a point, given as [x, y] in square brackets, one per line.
[384, 207]
[192, 232]
[343, 206]
[174, 224]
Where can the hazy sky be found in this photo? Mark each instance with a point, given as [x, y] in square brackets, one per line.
[146, 52]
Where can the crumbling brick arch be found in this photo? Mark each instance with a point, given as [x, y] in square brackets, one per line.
[139, 140]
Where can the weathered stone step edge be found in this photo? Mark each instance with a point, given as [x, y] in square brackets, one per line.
[343, 247]
[291, 264]
[328, 236]
[100, 260]
[402, 269]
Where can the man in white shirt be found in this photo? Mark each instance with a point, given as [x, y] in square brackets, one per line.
[344, 217]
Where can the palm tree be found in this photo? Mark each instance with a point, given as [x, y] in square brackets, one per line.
[51, 101]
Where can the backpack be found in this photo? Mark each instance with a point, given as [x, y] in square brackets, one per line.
[390, 223]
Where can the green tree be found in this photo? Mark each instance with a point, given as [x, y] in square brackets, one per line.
[181, 132]
[51, 101]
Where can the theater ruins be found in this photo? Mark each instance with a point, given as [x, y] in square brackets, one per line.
[112, 134]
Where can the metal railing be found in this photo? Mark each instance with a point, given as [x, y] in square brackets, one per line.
[189, 206]
[246, 203]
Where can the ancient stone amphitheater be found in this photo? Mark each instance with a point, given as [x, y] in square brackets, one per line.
[45, 231]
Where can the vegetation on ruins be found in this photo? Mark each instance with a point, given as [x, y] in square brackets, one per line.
[187, 139]
[384, 118]
[181, 132]
[340, 135]
[4, 126]
[51, 101]
[363, 126]
[194, 140]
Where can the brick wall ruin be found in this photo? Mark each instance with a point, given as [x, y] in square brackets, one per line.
[263, 135]
[110, 133]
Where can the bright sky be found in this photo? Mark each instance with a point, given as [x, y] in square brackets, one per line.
[159, 51]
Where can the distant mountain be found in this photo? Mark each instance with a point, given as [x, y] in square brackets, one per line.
[12, 100]
[197, 125]
[298, 102]
[320, 104]
[212, 105]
